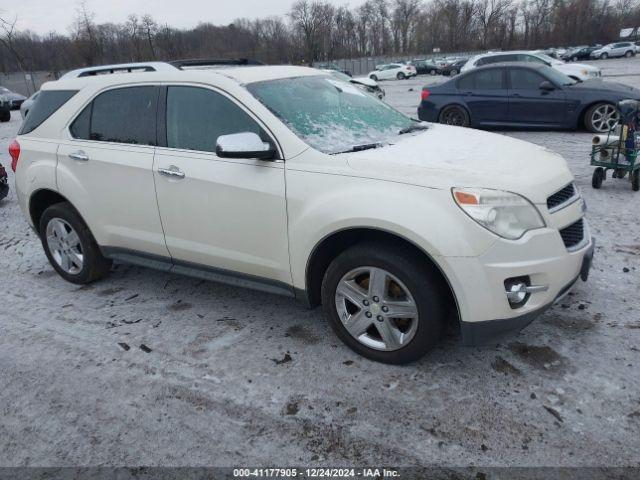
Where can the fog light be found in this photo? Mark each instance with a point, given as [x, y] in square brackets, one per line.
[519, 289]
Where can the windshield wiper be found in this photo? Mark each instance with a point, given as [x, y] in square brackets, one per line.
[359, 148]
[413, 128]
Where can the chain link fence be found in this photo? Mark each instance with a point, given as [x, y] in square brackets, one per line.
[26, 83]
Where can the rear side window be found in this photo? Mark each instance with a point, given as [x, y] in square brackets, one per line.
[46, 104]
[124, 115]
[483, 80]
[196, 117]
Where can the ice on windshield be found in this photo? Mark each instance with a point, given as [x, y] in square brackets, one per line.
[330, 115]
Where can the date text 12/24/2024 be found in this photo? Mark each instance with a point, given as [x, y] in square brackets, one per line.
[283, 473]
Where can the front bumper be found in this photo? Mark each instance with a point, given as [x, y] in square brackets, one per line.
[540, 255]
[482, 333]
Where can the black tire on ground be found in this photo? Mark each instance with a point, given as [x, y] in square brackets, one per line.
[454, 115]
[628, 54]
[373, 77]
[598, 177]
[432, 72]
[5, 116]
[400, 76]
[574, 59]
[95, 265]
[604, 56]
[635, 180]
[420, 280]
[453, 73]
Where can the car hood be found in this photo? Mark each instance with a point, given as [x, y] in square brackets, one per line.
[575, 67]
[15, 96]
[443, 157]
[597, 84]
[365, 81]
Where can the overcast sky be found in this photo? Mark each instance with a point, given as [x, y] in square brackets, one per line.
[43, 16]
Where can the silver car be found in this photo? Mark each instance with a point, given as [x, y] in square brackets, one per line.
[618, 49]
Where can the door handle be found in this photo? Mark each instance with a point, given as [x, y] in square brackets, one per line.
[79, 156]
[516, 95]
[172, 171]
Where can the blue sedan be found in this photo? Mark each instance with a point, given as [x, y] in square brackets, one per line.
[524, 95]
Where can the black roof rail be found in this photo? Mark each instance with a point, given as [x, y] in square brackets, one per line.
[206, 62]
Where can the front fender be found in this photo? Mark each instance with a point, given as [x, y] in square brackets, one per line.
[320, 205]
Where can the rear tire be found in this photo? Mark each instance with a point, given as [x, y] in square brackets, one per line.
[598, 177]
[574, 59]
[411, 337]
[628, 54]
[454, 115]
[432, 72]
[453, 73]
[401, 76]
[604, 56]
[70, 246]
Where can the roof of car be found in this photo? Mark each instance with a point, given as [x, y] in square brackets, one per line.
[243, 75]
[120, 67]
[529, 65]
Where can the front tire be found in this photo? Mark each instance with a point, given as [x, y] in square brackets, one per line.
[401, 76]
[373, 77]
[574, 59]
[601, 118]
[432, 72]
[383, 303]
[635, 180]
[453, 73]
[628, 54]
[604, 56]
[454, 115]
[598, 177]
[70, 246]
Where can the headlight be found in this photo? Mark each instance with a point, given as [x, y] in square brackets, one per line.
[504, 213]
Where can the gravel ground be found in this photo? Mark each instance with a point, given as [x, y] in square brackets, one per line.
[148, 368]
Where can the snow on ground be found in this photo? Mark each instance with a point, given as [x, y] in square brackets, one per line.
[149, 368]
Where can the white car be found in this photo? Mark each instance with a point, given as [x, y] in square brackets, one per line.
[393, 71]
[577, 71]
[365, 83]
[287, 180]
[613, 50]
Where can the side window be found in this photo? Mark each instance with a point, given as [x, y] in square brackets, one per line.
[499, 59]
[522, 79]
[47, 103]
[467, 82]
[123, 115]
[196, 117]
[489, 79]
[530, 58]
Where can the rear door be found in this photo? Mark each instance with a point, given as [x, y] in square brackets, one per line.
[485, 95]
[529, 104]
[105, 169]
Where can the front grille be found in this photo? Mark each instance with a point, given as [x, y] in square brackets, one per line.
[561, 197]
[573, 234]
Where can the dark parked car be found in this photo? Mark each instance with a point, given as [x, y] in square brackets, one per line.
[4, 184]
[15, 99]
[424, 67]
[575, 54]
[5, 108]
[453, 69]
[524, 95]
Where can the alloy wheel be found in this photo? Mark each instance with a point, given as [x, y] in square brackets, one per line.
[64, 246]
[376, 308]
[605, 117]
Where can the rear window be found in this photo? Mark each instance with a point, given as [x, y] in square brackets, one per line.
[46, 104]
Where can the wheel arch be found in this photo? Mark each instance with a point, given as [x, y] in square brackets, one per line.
[40, 200]
[337, 242]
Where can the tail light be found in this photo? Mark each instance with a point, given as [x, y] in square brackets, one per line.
[425, 94]
[14, 152]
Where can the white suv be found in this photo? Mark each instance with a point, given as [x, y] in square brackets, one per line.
[577, 71]
[612, 50]
[289, 180]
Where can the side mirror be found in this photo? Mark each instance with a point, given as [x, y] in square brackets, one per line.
[244, 145]
[547, 86]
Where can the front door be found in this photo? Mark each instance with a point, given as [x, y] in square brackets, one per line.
[228, 215]
[485, 95]
[531, 105]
